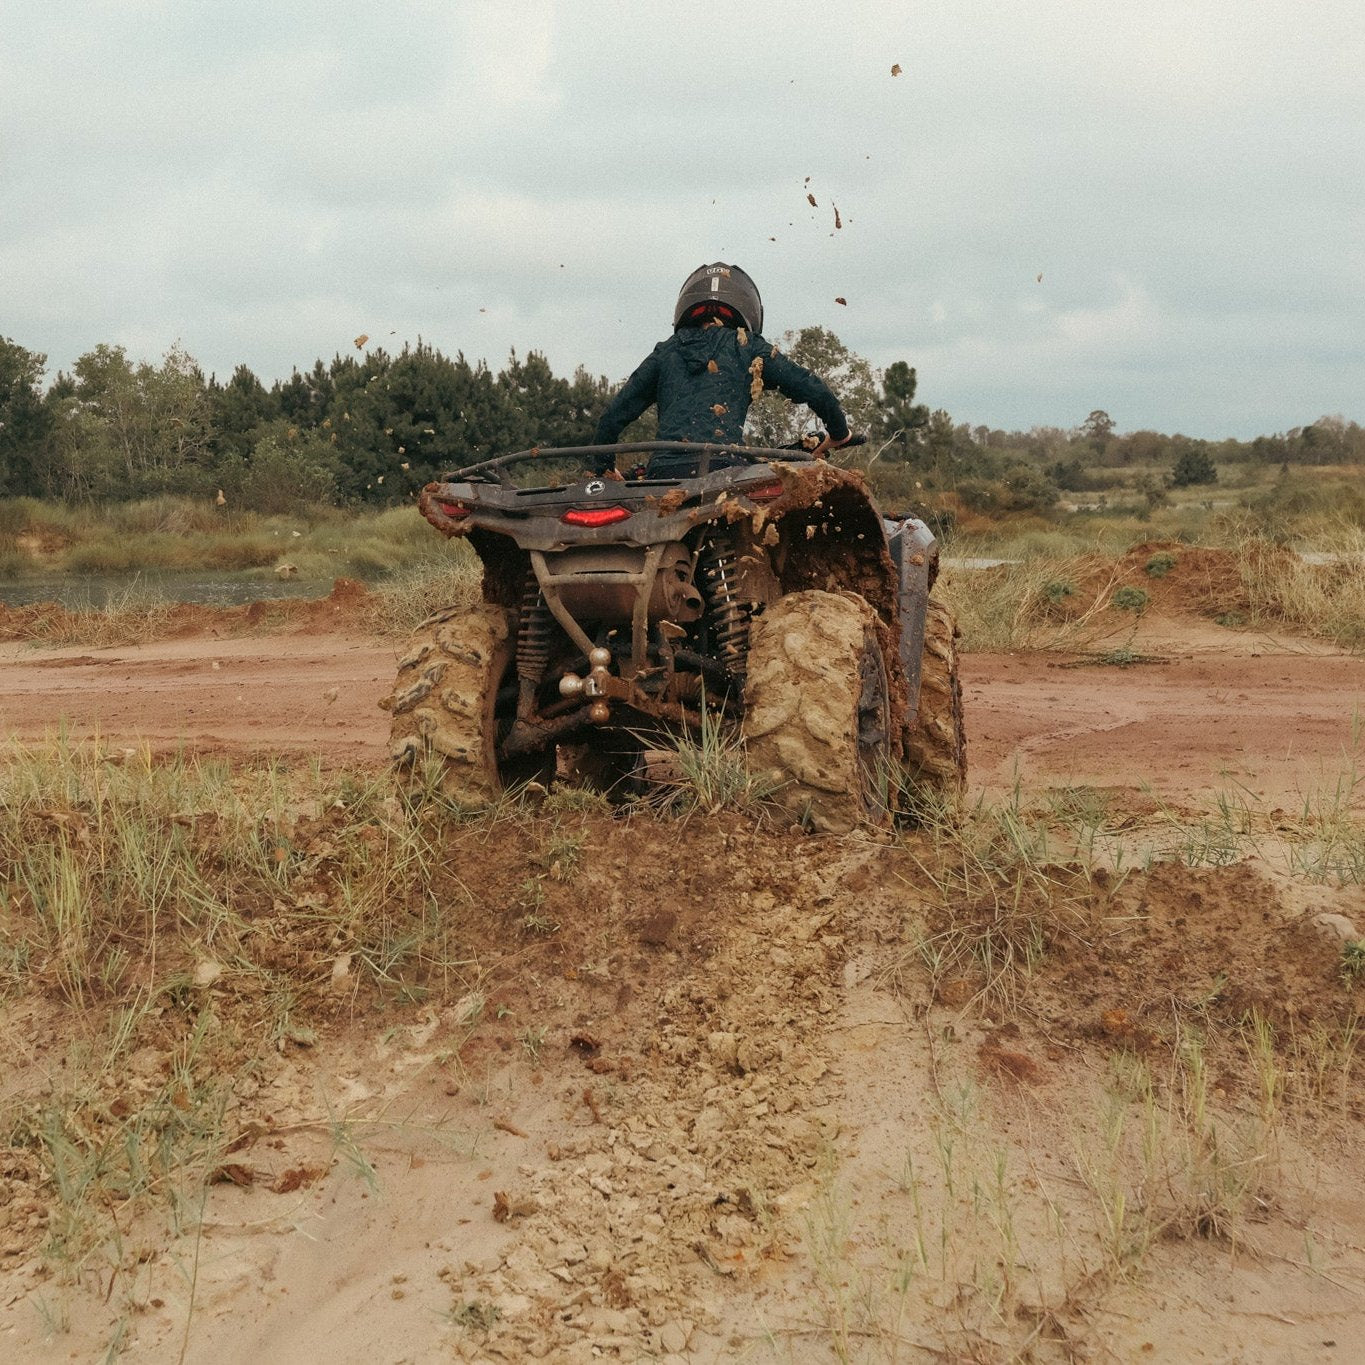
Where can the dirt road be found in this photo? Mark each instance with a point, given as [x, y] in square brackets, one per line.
[1275, 715]
[576, 1086]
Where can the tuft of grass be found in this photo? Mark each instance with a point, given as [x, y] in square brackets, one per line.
[134, 615]
[1353, 959]
[1321, 599]
[1030, 604]
[712, 771]
[451, 577]
[999, 902]
[1128, 598]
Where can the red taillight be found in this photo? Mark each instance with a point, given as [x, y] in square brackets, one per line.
[454, 510]
[765, 492]
[594, 516]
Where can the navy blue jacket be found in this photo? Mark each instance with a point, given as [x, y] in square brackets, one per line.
[703, 380]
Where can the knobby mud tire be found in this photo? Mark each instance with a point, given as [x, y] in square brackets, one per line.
[936, 745]
[815, 696]
[442, 737]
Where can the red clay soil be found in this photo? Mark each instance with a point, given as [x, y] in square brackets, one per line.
[1276, 715]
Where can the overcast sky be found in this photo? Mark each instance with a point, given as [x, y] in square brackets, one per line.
[1057, 205]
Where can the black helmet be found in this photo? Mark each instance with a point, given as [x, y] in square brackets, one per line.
[711, 289]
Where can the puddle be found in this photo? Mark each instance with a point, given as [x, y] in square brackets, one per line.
[87, 591]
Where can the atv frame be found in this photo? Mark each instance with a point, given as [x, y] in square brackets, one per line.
[615, 606]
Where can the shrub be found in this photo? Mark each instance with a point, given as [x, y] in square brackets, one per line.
[1131, 599]
[13, 520]
[1193, 467]
[1160, 564]
[288, 472]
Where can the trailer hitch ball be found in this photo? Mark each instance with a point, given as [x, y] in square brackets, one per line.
[571, 685]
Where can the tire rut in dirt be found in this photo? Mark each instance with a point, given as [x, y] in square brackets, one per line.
[807, 721]
[441, 739]
[936, 746]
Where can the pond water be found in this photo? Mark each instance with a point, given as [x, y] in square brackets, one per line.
[1332, 557]
[84, 591]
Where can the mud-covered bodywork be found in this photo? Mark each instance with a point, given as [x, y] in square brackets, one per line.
[632, 599]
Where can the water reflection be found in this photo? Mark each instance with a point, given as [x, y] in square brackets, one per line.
[86, 591]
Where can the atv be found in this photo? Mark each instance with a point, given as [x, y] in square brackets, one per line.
[765, 590]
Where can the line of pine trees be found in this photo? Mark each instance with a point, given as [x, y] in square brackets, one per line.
[371, 427]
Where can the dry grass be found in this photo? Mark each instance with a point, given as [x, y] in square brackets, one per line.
[1047, 601]
[1323, 600]
[401, 602]
[131, 617]
[1025, 605]
[211, 914]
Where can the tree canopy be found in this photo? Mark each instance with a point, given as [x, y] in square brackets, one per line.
[371, 427]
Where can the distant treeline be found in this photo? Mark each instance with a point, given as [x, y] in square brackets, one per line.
[374, 427]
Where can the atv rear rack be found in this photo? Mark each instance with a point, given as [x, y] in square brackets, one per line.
[704, 453]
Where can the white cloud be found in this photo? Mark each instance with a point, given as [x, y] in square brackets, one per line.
[265, 182]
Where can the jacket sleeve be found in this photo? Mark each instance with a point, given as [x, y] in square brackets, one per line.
[801, 386]
[636, 394]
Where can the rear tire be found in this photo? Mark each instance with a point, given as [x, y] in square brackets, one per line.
[936, 745]
[443, 735]
[817, 716]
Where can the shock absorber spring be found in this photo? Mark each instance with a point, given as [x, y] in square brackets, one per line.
[729, 613]
[534, 634]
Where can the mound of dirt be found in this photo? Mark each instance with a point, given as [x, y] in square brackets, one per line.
[1187, 579]
[1175, 580]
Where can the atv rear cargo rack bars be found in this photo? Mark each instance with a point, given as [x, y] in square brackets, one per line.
[704, 452]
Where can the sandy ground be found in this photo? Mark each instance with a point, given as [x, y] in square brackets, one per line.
[724, 1111]
[1221, 708]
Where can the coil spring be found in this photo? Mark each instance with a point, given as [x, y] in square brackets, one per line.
[729, 614]
[534, 633]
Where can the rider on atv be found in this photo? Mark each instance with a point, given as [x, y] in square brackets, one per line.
[757, 585]
[706, 374]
